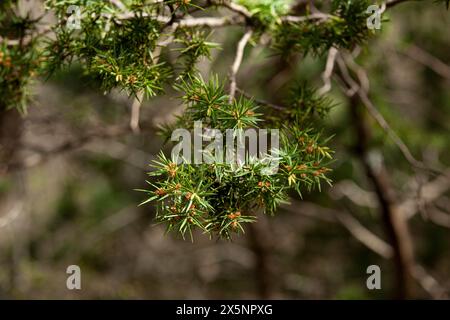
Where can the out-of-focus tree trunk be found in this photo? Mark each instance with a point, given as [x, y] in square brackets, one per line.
[10, 133]
[396, 225]
[262, 246]
[11, 122]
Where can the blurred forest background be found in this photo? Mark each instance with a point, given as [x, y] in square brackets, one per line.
[70, 197]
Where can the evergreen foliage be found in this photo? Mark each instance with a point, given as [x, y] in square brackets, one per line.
[219, 197]
[122, 46]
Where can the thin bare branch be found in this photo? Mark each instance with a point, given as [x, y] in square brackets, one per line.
[138, 100]
[136, 111]
[369, 240]
[42, 155]
[359, 196]
[439, 217]
[119, 4]
[395, 223]
[212, 22]
[356, 229]
[314, 16]
[423, 57]
[428, 283]
[360, 72]
[260, 101]
[430, 192]
[233, 7]
[237, 61]
[356, 88]
[387, 128]
[329, 67]
[11, 215]
[366, 237]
